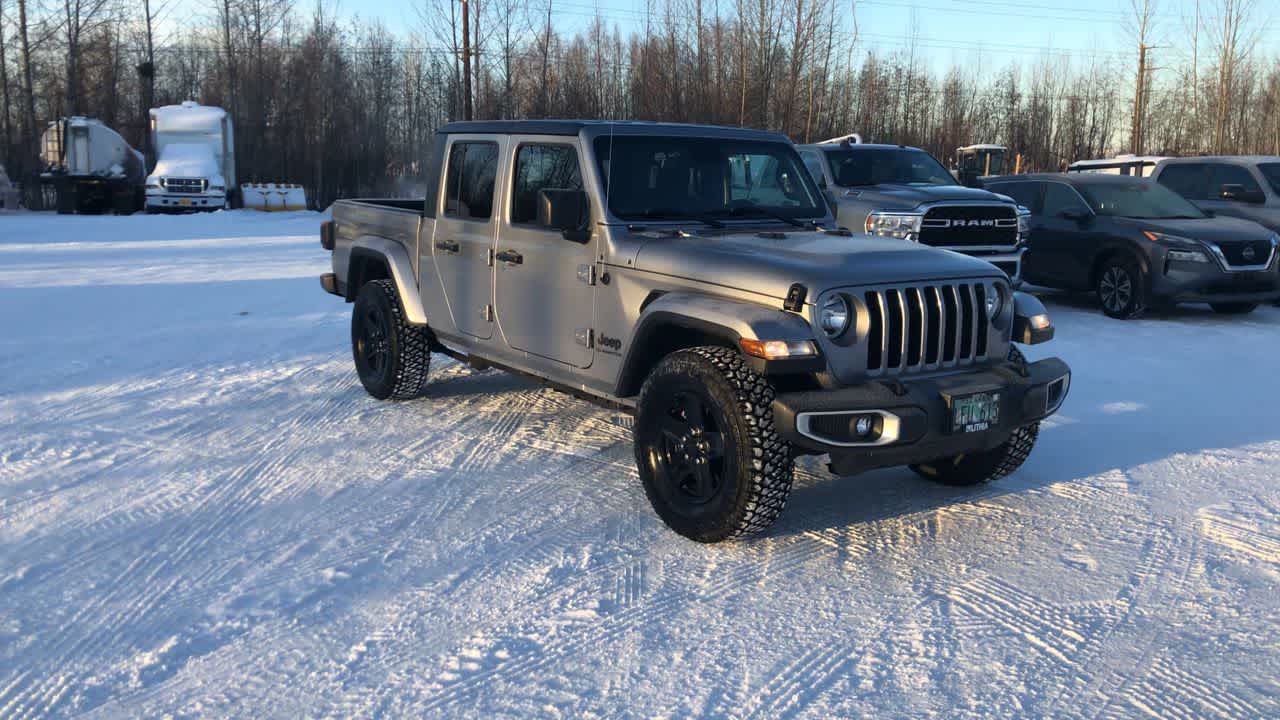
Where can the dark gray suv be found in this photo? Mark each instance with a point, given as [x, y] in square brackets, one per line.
[1136, 243]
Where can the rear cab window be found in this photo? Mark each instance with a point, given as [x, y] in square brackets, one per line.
[470, 182]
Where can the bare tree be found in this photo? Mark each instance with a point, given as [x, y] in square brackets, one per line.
[1234, 35]
[1142, 15]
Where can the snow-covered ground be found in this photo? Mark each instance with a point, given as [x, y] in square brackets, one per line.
[202, 514]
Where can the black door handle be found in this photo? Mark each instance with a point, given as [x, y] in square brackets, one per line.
[448, 246]
[510, 257]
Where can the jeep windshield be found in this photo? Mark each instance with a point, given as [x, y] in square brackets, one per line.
[858, 167]
[1140, 199]
[705, 179]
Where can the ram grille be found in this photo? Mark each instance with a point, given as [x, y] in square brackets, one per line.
[970, 226]
[925, 327]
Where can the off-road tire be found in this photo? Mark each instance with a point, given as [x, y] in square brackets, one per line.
[401, 368]
[982, 467]
[1234, 308]
[756, 465]
[1131, 295]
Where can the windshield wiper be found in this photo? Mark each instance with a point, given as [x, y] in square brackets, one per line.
[666, 214]
[759, 210]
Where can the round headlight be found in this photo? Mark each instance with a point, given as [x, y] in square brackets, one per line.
[833, 317]
[995, 301]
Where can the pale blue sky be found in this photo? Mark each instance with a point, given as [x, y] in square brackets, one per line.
[988, 33]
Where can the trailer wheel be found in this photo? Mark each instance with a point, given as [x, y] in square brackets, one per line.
[65, 198]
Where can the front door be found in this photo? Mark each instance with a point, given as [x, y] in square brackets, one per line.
[544, 283]
[466, 224]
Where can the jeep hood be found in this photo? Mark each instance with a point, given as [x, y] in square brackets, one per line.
[906, 197]
[821, 261]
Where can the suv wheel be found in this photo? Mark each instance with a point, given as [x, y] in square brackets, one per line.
[711, 462]
[1121, 288]
[391, 355]
[982, 467]
[1235, 308]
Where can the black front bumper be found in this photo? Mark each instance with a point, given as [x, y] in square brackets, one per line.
[1208, 283]
[921, 414]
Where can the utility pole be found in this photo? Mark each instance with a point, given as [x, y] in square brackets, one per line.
[1139, 102]
[466, 61]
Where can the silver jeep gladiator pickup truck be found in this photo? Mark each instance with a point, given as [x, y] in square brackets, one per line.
[693, 276]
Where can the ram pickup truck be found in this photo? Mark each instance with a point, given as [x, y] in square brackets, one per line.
[903, 192]
[693, 276]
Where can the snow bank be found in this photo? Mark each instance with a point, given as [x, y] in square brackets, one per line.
[202, 514]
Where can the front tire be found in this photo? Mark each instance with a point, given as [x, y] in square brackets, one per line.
[983, 467]
[391, 356]
[711, 462]
[1234, 308]
[1121, 288]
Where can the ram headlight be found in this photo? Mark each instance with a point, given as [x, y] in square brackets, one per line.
[904, 226]
[1024, 225]
[834, 315]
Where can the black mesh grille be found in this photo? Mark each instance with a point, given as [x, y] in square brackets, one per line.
[970, 226]
[1244, 254]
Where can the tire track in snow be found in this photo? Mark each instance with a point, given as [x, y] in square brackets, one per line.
[141, 587]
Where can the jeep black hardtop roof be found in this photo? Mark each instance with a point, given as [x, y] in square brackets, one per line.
[620, 127]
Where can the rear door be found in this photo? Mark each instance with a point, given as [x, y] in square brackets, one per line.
[466, 225]
[1063, 247]
[1027, 194]
[544, 283]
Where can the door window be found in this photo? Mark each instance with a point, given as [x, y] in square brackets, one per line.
[1026, 194]
[813, 164]
[1188, 180]
[542, 167]
[1059, 198]
[1221, 174]
[473, 170]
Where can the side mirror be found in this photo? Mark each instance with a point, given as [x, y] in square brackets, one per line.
[1239, 194]
[566, 211]
[1074, 215]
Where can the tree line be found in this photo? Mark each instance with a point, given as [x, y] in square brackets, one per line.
[347, 107]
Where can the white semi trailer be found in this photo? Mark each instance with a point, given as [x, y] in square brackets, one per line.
[195, 159]
[90, 167]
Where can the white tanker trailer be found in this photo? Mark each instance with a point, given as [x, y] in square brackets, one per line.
[91, 168]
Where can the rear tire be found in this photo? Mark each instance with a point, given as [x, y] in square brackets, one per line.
[712, 464]
[983, 467]
[1121, 288]
[391, 356]
[1235, 308]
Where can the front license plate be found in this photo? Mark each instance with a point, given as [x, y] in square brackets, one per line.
[975, 413]
[184, 201]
